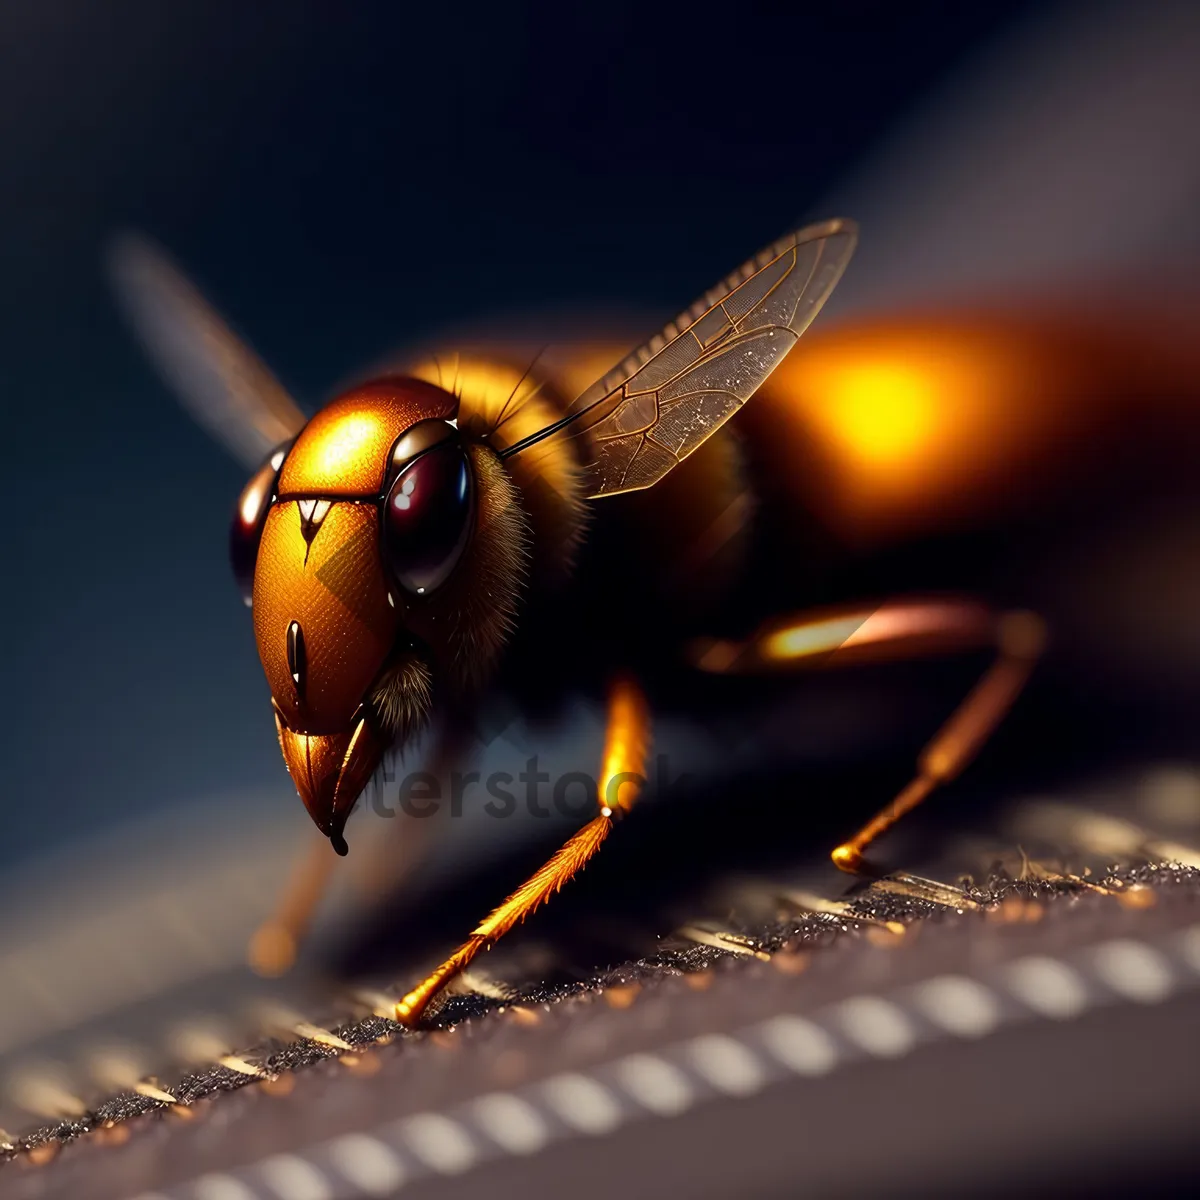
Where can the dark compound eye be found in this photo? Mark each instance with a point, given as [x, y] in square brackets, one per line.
[427, 517]
[249, 517]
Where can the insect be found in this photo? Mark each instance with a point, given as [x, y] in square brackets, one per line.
[414, 546]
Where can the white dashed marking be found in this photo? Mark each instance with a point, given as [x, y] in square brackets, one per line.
[367, 1163]
[293, 1178]
[959, 1005]
[728, 1065]
[877, 1025]
[800, 1045]
[1134, 970]
[582, 1103]
[1048, 986]
[221, 1187]
[511, 1123]
[439, 1142]
[655, 1084]
[735, 1065]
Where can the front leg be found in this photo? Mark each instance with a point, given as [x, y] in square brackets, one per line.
[621, 778]
[277, 941]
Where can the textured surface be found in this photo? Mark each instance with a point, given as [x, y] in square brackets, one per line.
[920, 1010]
[902, 967]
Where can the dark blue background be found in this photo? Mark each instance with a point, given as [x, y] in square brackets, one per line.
[340, 178]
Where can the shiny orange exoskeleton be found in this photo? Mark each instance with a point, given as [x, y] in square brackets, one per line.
[428, 537]
[369, 507]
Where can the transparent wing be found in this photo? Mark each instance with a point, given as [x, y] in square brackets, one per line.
[215, 375]
[658, 405]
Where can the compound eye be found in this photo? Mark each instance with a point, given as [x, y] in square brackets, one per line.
[427, 517]
[249, 517]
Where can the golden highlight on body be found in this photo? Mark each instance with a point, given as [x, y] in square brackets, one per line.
[390, 546]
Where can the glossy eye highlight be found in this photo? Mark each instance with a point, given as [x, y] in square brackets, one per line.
[245, 530]
[427, 516]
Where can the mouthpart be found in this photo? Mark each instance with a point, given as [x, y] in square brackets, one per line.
[330, 771]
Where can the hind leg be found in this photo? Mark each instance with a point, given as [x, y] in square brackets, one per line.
[899, 630]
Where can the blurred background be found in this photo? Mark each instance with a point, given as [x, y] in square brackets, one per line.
[342, 183]
[345, 180]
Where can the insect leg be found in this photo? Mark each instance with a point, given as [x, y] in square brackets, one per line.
[902, 630]
[276, 942]
[272, 949]
[1019, 638]
[628, 726]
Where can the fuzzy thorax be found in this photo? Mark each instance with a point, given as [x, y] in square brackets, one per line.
[501, 401]
[528, 520]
